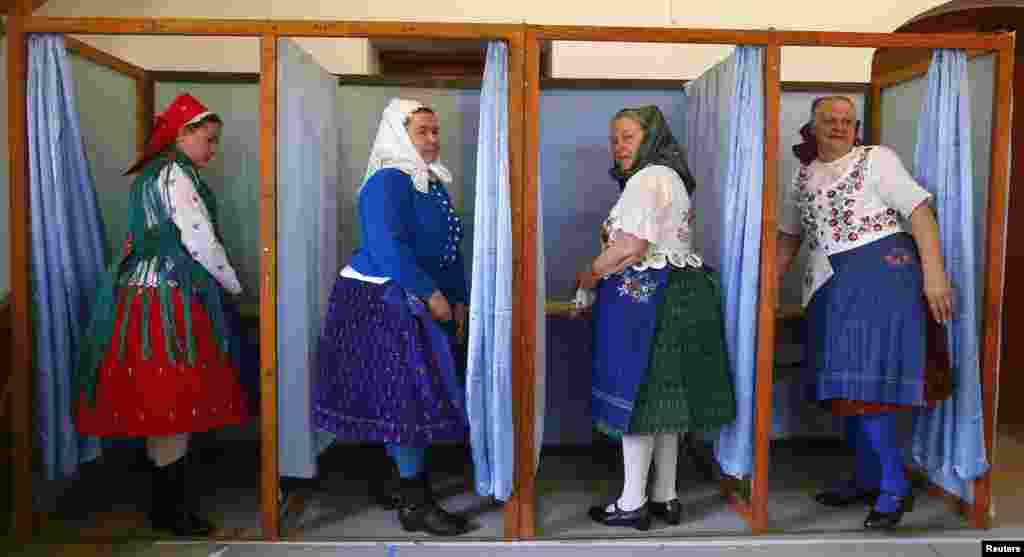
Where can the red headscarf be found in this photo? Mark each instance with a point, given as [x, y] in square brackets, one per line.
[185, 110]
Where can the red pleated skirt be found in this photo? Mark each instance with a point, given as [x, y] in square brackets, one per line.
[142, 397]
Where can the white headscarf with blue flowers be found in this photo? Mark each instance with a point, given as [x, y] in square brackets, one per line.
[394, 149]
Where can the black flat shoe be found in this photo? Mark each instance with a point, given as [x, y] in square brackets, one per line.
[639, 518]
[669, 511]
[887, 521]
[432, 519]
[419, 512]
[837, 499]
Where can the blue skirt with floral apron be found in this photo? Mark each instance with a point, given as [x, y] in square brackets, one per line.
[660, 360]
[867, 326]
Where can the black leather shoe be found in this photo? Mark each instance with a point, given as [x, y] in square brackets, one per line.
[432, 519]
[389, 500]
[887, 521]
[837, 499]
[639, 518]
[669, 511]
[418, 512]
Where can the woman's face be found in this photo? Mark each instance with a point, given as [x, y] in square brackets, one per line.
[200, 144]
[425, 132]
[626, 137]
[835, 125]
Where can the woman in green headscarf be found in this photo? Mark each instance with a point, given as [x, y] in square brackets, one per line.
[660, 365]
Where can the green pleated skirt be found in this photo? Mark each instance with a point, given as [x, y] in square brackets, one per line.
[688, 387]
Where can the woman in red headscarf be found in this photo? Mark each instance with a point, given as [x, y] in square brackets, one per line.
[159, 357]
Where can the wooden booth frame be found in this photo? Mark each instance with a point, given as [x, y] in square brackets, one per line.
[21, 415]
[524, 133]
[755, 511]
[890, 68]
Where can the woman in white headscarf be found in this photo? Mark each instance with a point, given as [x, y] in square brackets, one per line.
[387, 371]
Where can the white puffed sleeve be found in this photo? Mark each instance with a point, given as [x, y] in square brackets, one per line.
[894, 185]
[192, 218]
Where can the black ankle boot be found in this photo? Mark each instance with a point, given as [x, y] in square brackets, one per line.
[172, 504]
[389, 493]
[418, 512]
[458, 519]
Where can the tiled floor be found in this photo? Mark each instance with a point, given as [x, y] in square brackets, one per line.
[105, 508]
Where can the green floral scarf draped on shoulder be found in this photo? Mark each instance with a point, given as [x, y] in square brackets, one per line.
[160, 246]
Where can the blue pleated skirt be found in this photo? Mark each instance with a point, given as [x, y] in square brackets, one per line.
[867, 325]
[382, 377]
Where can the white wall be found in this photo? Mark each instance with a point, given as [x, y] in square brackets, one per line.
[106, 107]
[570, 60]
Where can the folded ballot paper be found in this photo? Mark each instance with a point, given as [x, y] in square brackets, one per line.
[585, 298]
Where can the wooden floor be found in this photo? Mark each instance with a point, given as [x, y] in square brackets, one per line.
[1008, 477]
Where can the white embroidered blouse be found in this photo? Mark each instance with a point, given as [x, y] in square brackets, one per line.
[655, 207]
[847, 203]
[192, 218]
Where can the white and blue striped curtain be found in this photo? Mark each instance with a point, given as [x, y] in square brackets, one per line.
[68, 250]
[489, 369]
[725, 152]
[307, 228]
[949, 441]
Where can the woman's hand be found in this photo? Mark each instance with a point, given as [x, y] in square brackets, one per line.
[939, 293]
[461, 320]
[439, 307]
[587, 278]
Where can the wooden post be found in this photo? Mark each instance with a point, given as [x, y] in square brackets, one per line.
[268, 288]
[22, 422]
[999, 185]
[528, 99]
[875, 114]
[768, 291]
[145, 98]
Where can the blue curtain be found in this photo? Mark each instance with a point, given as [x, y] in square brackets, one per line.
[307, 255]
[949, 441]
[489, 371]
[68, 250]
[726, 143]
[541, 356]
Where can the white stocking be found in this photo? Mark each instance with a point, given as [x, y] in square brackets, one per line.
[165, 450]
[636, 455]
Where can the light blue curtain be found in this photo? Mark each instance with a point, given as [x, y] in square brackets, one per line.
[728, 200]
[541, 355]
[307, 256]
[706, 127]
[68, 250]
[489, 371]
[949, 440]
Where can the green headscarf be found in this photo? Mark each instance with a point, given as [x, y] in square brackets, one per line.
[659, 147]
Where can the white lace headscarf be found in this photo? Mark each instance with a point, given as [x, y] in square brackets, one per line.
[394, 149]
